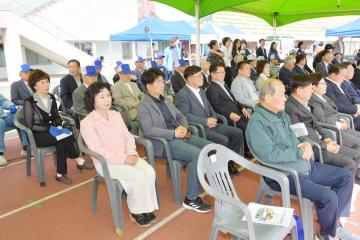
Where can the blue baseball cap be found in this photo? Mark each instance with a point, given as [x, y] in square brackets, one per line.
[140, 59]
[125, 68]
[90, 71]
[25, 68]
[118, 63]
[183, 63]
[159, 55]
[154, 64]
[98, 64]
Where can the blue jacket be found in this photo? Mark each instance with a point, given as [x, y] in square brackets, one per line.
[342, 101]
[4, 104]
[351, 90]
[168, 57]
[269, 136]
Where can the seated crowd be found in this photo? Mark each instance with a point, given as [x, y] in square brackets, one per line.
[259, 101]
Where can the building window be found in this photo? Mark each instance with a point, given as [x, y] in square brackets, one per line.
[127, 50]
[33, 58]
[2, 56]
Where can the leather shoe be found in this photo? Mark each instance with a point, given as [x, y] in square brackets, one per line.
[140, 219]
[151, 217]
[86, 165]
[64, 179]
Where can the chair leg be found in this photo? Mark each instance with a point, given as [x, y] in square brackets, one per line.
[178, 184]
[214, 232]
[168, 174]
[28, 161]
[94, 193]
[39, 158]
[175, 173]
[308, 219]
[157, 194]
[114, 198]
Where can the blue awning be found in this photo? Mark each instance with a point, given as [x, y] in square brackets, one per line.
[156, 30]
[351, 29]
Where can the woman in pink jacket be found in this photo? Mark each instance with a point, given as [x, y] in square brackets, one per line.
[104, 132]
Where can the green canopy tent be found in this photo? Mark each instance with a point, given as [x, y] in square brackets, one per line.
[275, 12]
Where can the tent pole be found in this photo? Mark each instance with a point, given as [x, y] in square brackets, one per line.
[274, 26]
[110, 53]
[197, 23]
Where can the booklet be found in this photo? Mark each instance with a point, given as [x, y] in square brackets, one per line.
[299, 129]
[265, 214]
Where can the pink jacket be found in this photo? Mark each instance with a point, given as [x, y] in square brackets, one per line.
[110, 139]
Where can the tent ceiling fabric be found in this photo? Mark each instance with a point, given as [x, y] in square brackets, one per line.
[284, 11]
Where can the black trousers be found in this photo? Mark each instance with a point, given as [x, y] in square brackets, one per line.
[64, 148]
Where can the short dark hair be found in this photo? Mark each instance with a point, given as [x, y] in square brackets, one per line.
[328, 46]
[323, 53]
[225, 39]
[260, 65]
[212, 43]
[346, 64]
[315, 78]
[91, 92]
[299, 58]
[335, 69]
[240, 65]
[337, 53]
[191, 70]
[299, 81]
[261, 39]
[36, 76]
[149, 76]
[214, 66]
[300, 43]
[75, 61]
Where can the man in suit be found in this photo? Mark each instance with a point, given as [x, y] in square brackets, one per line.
[342, 100]
[285, 73]
[127, 93]
[356, 79]
[70, 82]
[192, 102]
[270, 137]
[223, 101]
[261, 51]
[298, 108]
[348, 87]
[339, 46]
[178, 80]
[20, 89]
[139, 69]
[89, 77]
[116, 75]
[252, 61]
[98, 66]
[323, 66]
[299, 67]
[160, 118]
[337, 58]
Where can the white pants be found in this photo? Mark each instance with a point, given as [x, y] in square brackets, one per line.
[139, 184]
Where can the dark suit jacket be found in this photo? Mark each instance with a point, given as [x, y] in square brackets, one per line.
[285, 76]
[299, 114]
[325, 112]
[260, 52]
[67, 87]
[177, 82]
[356, 78]
[221, 102]
[350, 89]
[342, 101]
[299, 71]
[191, 107]
[19, 92]
[321, 68]
[153, 123]
[335, 61]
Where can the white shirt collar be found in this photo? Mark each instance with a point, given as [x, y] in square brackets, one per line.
[197, 90]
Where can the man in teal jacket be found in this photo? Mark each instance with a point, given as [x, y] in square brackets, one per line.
[271, 139]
